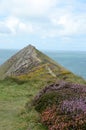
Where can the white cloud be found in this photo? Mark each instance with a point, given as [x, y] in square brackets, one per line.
[69, 23]
[28, 28]
[28, 7]
[62, 19]
[4, 29]
[15, 25]
[12, 23]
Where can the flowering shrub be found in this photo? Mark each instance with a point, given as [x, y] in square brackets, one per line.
[62, 106]
[78, 106]
[55, 120]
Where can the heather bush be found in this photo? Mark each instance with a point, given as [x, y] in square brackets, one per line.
[62, 106]
[77, 106]
[55, 120]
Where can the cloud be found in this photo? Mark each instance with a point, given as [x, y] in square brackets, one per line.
[58, 17]
[69, 22]
[4, 29]
[13, 25]
[28, 28]
[28, 7]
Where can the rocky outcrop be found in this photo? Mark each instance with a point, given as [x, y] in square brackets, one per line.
[29, 59]
[23, 62]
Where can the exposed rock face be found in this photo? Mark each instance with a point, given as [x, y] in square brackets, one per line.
[24, 61]
[30, 59]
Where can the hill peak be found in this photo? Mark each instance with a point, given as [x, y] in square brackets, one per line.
[30, 46]
[31, 62]
[24, 61]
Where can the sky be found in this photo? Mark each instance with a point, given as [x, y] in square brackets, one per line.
[46, 24]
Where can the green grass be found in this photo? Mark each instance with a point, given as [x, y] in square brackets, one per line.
[17, 92]
[16, 95]
[13, 112]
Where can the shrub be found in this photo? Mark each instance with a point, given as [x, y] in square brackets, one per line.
[62, 106]
[53, 118]
[47, 99]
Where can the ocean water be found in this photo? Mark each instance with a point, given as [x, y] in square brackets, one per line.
[6, 54]
[73, 61]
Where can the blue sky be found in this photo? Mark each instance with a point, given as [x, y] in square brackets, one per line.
[46, 24]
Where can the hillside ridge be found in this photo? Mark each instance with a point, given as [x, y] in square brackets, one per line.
[24, 61]
[39, 94]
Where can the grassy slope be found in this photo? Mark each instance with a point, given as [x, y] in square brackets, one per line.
[15, 94]
[13, 114]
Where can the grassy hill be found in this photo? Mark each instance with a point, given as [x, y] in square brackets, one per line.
[18, 90]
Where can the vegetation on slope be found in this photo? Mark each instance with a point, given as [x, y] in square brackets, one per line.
[62, 105]
[17, 93]
[14, 114]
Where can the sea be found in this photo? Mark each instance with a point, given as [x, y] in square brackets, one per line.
[75, 61]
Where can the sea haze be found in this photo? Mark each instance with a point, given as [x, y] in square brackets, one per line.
[74, 61]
